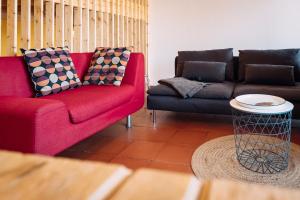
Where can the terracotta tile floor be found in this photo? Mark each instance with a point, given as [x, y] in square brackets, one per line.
[169, 145]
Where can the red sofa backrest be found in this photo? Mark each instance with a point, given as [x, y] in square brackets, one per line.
[15, 80]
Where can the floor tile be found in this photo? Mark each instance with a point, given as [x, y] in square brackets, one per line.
[142, 150]
[111, 145]
[175, 154]
[217, 133]
[171, 167]
[151, 134]
[189, 138]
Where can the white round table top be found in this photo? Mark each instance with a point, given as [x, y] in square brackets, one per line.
[284, 108]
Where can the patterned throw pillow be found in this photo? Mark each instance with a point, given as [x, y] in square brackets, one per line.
[107, 66]
[51, 69]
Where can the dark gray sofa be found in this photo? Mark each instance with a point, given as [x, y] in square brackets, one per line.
[214, 99]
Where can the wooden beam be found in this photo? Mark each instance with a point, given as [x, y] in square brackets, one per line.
[49, 23]
[59, 21]
[77, 41]
[131, 23]
[126, 23]
[92, 31]
[38, 23]
[11, 34]
[139, 26]
[85, 28]
[99, 27]
[121, 23]
[135, 22]
[146, 40]
[116, 27]
[111, 23]
[68, 26]
[106, 23]
[26, 23]
[142, 23]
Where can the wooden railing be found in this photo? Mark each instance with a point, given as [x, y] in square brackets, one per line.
[80, 24]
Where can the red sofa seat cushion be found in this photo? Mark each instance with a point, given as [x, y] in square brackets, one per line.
[89, 101]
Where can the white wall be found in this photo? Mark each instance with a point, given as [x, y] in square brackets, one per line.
[207, 24]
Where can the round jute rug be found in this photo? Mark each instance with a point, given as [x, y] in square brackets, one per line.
[217, 159]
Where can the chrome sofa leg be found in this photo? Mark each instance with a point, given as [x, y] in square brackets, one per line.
[128, 122]
[154, 117]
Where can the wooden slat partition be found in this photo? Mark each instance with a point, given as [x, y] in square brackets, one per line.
[80, 24]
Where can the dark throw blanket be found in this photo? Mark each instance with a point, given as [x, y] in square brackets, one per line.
[186, 88]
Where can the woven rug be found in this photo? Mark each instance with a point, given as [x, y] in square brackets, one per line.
[217, 159]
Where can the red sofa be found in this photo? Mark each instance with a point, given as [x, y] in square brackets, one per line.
[50, 124]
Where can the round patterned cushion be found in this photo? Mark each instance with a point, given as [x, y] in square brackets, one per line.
[107, 66]
[51, 69]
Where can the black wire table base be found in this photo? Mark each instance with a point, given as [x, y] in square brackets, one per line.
[262, 161]
[262, 141]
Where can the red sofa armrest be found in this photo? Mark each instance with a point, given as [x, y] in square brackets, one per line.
[135, 75]
[26, 108]
[135, 70]
[21, 117]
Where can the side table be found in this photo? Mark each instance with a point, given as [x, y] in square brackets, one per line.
[262, 136]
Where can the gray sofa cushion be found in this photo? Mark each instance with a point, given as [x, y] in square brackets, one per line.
[290, 93]
[274, 57]
[213, 91]
[269, 74]
[217, 55]
[204, 71]
[171, 103]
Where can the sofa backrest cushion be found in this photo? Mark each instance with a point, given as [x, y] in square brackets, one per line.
[289, 57]
[14, 78]
[82, 62]
[269, 74]
[217, 55]
[204, 71]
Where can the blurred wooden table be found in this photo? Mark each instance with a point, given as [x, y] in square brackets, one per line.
[38, 177]
[152, 184]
